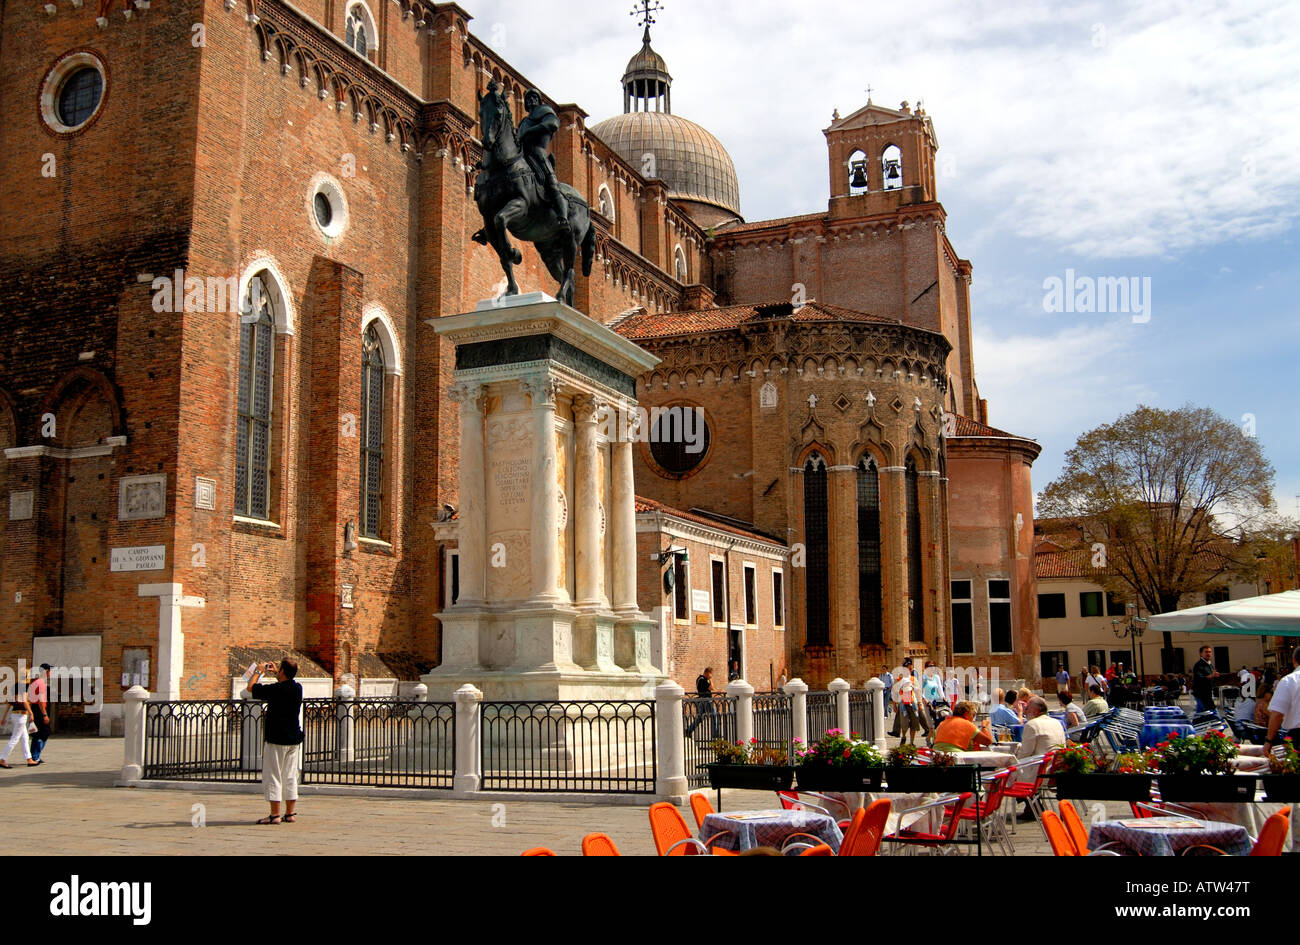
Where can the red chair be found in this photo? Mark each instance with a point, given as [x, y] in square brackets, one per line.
[942, 839]
[1273, 835]
[870, 830]
[538, 851]
[1031, 792]
[820, 850]
[794, 800]
[673, 837]
[598, 844]
[989, 820]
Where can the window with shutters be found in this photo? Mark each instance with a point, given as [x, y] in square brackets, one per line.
[256, 381]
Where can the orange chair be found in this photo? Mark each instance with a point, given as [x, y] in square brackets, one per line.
[1273, 835]
[1074, 827]
[820, 850]
[1057, 835]
[700, 807]
[598, 844]
[673, 837]
[538, 851]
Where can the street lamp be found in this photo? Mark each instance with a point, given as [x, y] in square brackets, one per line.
[1133, 627]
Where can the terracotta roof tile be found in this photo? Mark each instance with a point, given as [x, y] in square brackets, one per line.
[968, 427]
[639, 326]
[765, 224]
[651, 505]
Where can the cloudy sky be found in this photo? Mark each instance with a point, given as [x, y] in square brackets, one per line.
[1158, 140]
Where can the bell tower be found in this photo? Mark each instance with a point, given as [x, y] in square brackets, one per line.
[880, 158]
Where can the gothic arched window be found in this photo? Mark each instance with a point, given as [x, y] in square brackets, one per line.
[858, 182]
[916, 598]
[256, 381]
[605, 202]
[816, 529]
[359, 31]
[871, 628]
[372, 432]
[679, 261]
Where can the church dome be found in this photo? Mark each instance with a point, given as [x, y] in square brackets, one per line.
[690, 161]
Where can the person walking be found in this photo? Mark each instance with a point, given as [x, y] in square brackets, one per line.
[1203, 681]
[282, 756]
[887, 678]
[38, 695]
[20, 713]
[704, 709]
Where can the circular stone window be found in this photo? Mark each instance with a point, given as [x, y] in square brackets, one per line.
[73, 92]
[327, 206]
[679, 438]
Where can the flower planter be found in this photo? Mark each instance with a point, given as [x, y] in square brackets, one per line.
[751, 777]
[929, 779]
[821, 778]
[1207, 787]
[1281, 788]
[1104, 787]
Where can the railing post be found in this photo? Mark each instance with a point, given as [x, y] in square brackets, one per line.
[250, 733]
[345, 697]
[671, 742]
[840, 690]
[797, 690]
[133, 716]
[469, 739]
[744, 696]
[878, 695]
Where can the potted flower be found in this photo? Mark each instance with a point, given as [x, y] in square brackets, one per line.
[1282, 783]
[1200, 768]
[751, 766]
[1079, 774]
[836, 762]
[942, 775]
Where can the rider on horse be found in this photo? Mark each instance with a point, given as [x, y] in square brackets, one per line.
[535, 133]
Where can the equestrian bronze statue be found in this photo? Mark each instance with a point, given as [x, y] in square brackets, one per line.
[517, 192]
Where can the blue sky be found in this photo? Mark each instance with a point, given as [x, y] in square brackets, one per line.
[1157, 139]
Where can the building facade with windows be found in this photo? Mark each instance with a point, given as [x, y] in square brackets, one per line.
[227, 428]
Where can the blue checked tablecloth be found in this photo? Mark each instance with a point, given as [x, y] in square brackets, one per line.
[746, 829]
[1164, 713]
[1167, 836]
[1153, 733]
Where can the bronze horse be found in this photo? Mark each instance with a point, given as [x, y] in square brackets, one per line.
[512, 200]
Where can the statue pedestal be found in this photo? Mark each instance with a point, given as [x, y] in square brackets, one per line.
[546, 515]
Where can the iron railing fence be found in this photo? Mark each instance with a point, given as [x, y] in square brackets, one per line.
[208, 740]
[773, 720]
[581, 746]
[703, 720]
[821, 714]
[861, 719]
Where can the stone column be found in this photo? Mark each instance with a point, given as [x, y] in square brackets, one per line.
[469, 736]
[586, 506]
[840, 689]
[671, 742]
[878, 696]
[623, 494]
[472, 519]
[545, 492]
[344, 697]
[744, 695]
[133, 715]
[797, 690]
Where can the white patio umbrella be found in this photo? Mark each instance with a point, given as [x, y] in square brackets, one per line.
[1270, 615]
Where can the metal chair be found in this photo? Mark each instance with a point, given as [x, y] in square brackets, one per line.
[988, 818]
[941, 840]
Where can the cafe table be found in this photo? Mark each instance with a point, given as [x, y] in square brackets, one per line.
[1169, 836]
[1153, 733]
[746, 829]
[989, 758]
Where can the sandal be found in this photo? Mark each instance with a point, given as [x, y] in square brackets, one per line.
[5, 764]
[270, 819]
[289, 818]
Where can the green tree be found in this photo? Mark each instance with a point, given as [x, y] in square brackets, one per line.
[1159, 488]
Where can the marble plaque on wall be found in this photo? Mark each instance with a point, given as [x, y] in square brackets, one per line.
[141, 497]
[21, 505]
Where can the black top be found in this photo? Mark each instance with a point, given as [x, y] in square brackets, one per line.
[703, 688]
[283, 702]
[1202, 673]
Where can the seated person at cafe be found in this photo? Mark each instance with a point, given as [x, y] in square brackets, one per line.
[1096, 704]
[959, 733]
[1041, 734]
[1073, 714]
[1006, 713]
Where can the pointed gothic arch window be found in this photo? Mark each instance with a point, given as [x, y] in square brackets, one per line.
[679, 264]
[361, 35]
[372, 432]
[871, 626]
[256, 382]
[605, 203]
[816, 529]
[916, 600]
